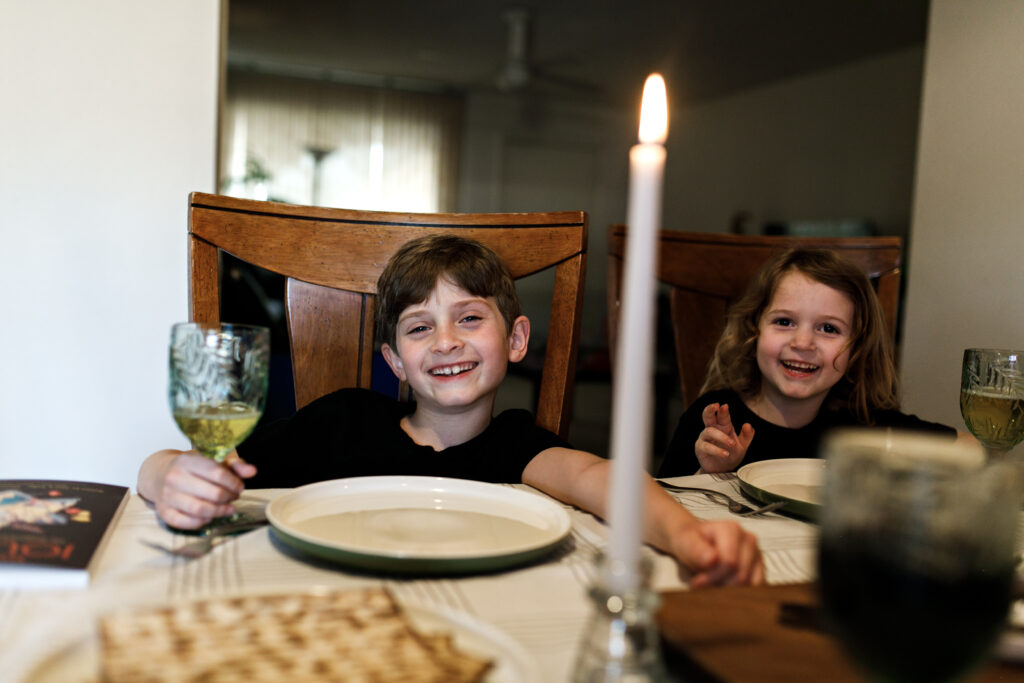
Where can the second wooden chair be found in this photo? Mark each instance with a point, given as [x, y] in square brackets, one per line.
[704, 273]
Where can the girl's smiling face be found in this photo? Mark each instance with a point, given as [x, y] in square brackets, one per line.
[803, 344]
[453, 349]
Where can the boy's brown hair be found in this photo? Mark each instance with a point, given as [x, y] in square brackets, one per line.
[869, 382]
[412, 273]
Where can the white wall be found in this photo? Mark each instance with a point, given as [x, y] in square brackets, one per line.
[966, 282]
[834, 144]
[107, 121]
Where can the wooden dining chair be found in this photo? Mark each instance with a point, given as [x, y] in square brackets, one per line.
[704, 273]
[331, 259]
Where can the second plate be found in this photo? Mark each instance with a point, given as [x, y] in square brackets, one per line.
[795, 481]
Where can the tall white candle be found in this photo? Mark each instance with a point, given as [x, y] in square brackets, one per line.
[634, 361]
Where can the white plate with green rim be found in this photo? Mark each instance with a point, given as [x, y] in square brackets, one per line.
[418, 525]
[797, 482]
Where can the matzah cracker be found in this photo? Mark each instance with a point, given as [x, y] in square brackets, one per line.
[338, 636]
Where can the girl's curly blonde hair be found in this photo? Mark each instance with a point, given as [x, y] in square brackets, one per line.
[869, 382]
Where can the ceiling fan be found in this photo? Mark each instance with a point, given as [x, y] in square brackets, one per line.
[519, 72]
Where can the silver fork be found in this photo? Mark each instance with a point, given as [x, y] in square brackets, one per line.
[735, 506]
[204, 543]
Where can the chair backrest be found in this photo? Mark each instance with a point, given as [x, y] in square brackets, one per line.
[706, 272]
[331, 259]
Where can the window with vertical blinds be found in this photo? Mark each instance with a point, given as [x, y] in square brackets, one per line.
[324, 143]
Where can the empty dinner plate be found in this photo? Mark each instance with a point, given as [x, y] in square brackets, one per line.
[418, 525]
[796, 481]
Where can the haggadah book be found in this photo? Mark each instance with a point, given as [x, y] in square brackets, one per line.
[52, 532]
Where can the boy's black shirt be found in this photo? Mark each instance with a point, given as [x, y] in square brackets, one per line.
[356, 432]
[770, 440]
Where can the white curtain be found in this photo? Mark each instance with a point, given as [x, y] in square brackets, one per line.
[324, 143]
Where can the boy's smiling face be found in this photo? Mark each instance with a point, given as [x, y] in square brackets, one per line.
[453, 349]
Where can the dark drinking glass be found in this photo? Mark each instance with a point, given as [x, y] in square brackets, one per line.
[916, 554]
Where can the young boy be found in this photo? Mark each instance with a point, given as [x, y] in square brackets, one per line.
[449, 322]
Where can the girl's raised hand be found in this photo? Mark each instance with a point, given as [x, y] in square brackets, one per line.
[719, 448]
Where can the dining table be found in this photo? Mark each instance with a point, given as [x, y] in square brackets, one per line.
[533, 615]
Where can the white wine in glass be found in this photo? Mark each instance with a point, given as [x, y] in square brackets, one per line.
[218, 383]
[215, 430]
[992, 397]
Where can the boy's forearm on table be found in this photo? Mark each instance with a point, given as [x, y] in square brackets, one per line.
[567, 475]
[584, 484]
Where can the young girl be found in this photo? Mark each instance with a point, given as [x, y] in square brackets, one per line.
[805, 349]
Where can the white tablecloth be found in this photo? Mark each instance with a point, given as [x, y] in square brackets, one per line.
[543, 608]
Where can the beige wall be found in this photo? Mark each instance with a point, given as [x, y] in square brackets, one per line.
[965, 277]
[834, 144]
[107, 121]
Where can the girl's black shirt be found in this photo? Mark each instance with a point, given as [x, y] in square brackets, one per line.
[770, 440]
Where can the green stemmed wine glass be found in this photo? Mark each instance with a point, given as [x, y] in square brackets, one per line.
[218, 383]
[992, 397]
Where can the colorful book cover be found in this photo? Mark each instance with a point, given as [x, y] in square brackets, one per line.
[52, 531]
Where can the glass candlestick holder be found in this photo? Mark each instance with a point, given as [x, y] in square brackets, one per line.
[620, 643]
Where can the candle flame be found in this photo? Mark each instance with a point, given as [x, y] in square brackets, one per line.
[654, 111]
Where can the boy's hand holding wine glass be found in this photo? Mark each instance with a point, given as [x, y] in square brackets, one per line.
[218, 383]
